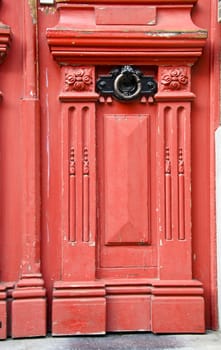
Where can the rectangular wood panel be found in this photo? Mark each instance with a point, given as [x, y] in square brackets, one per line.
[123, 15]
[126, 185]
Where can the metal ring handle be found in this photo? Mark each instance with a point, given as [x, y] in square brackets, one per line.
[122, 95]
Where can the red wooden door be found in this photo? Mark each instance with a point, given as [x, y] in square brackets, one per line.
[125, 172]
[107, 214]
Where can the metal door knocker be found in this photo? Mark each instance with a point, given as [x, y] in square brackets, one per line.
[126, 84]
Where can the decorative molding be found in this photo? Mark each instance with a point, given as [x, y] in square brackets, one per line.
[180, 162]
[79, 172]
[94, 44]
[72, 169]
[181, 196]
[78, 84]
[168, 194]
[86, 197]
[5, 39]
[175, 78]
[78, 79]
[71, 148]
[131, 2]
[85, 162]
[167, 161]
[82, 301]
[174, 84]
[86, 185]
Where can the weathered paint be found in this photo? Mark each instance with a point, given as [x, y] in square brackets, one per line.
[33, 10]
[107, 275]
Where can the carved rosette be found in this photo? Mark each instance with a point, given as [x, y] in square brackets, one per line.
[78, 80]
[173, 79]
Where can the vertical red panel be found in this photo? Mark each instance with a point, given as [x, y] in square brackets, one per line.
[126, 179]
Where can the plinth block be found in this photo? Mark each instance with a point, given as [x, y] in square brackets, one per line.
[128, 313]
[78, 309]
[28, 317]
[178, 314]
[128, 307]
[3, 320]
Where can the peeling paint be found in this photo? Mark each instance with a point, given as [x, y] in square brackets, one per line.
[33, 10]
[48, 10]
[151, 23]
[161, 33]
[32, 93]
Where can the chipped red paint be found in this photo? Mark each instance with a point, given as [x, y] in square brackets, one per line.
[107, 207]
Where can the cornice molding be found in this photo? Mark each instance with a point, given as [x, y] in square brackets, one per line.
[87, 35]
[131, 2]
[5, 39]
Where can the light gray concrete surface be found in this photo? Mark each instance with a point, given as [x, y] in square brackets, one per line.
[142, 341]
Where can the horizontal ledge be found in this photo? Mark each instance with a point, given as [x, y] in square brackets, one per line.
[30, 282]
[152, 54]
[132, 44]
[179, 291]
[75, 293]
[136, 289]
[5, 33]
[29, 293]
[78, 284]
[130, 2]
[107, 288]
[2, 295]
[174, 96]
[110, 58]
[91, 37]
[126, 282]
[78, 97]
[176, 283]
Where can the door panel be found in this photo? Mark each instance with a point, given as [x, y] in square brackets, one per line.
[126, 213]
[124, 182]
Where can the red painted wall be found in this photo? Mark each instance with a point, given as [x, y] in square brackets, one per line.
[205, 83]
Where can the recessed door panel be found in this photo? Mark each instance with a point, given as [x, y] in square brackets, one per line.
[124, 154]
[126, 192]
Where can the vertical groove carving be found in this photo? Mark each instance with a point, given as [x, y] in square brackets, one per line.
[181, 179]
[72, 177]
[85, 154]
[168, 194]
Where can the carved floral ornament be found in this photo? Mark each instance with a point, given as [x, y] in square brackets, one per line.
[174, 79]
[78, 79]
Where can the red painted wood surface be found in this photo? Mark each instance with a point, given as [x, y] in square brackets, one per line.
[107, 210]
